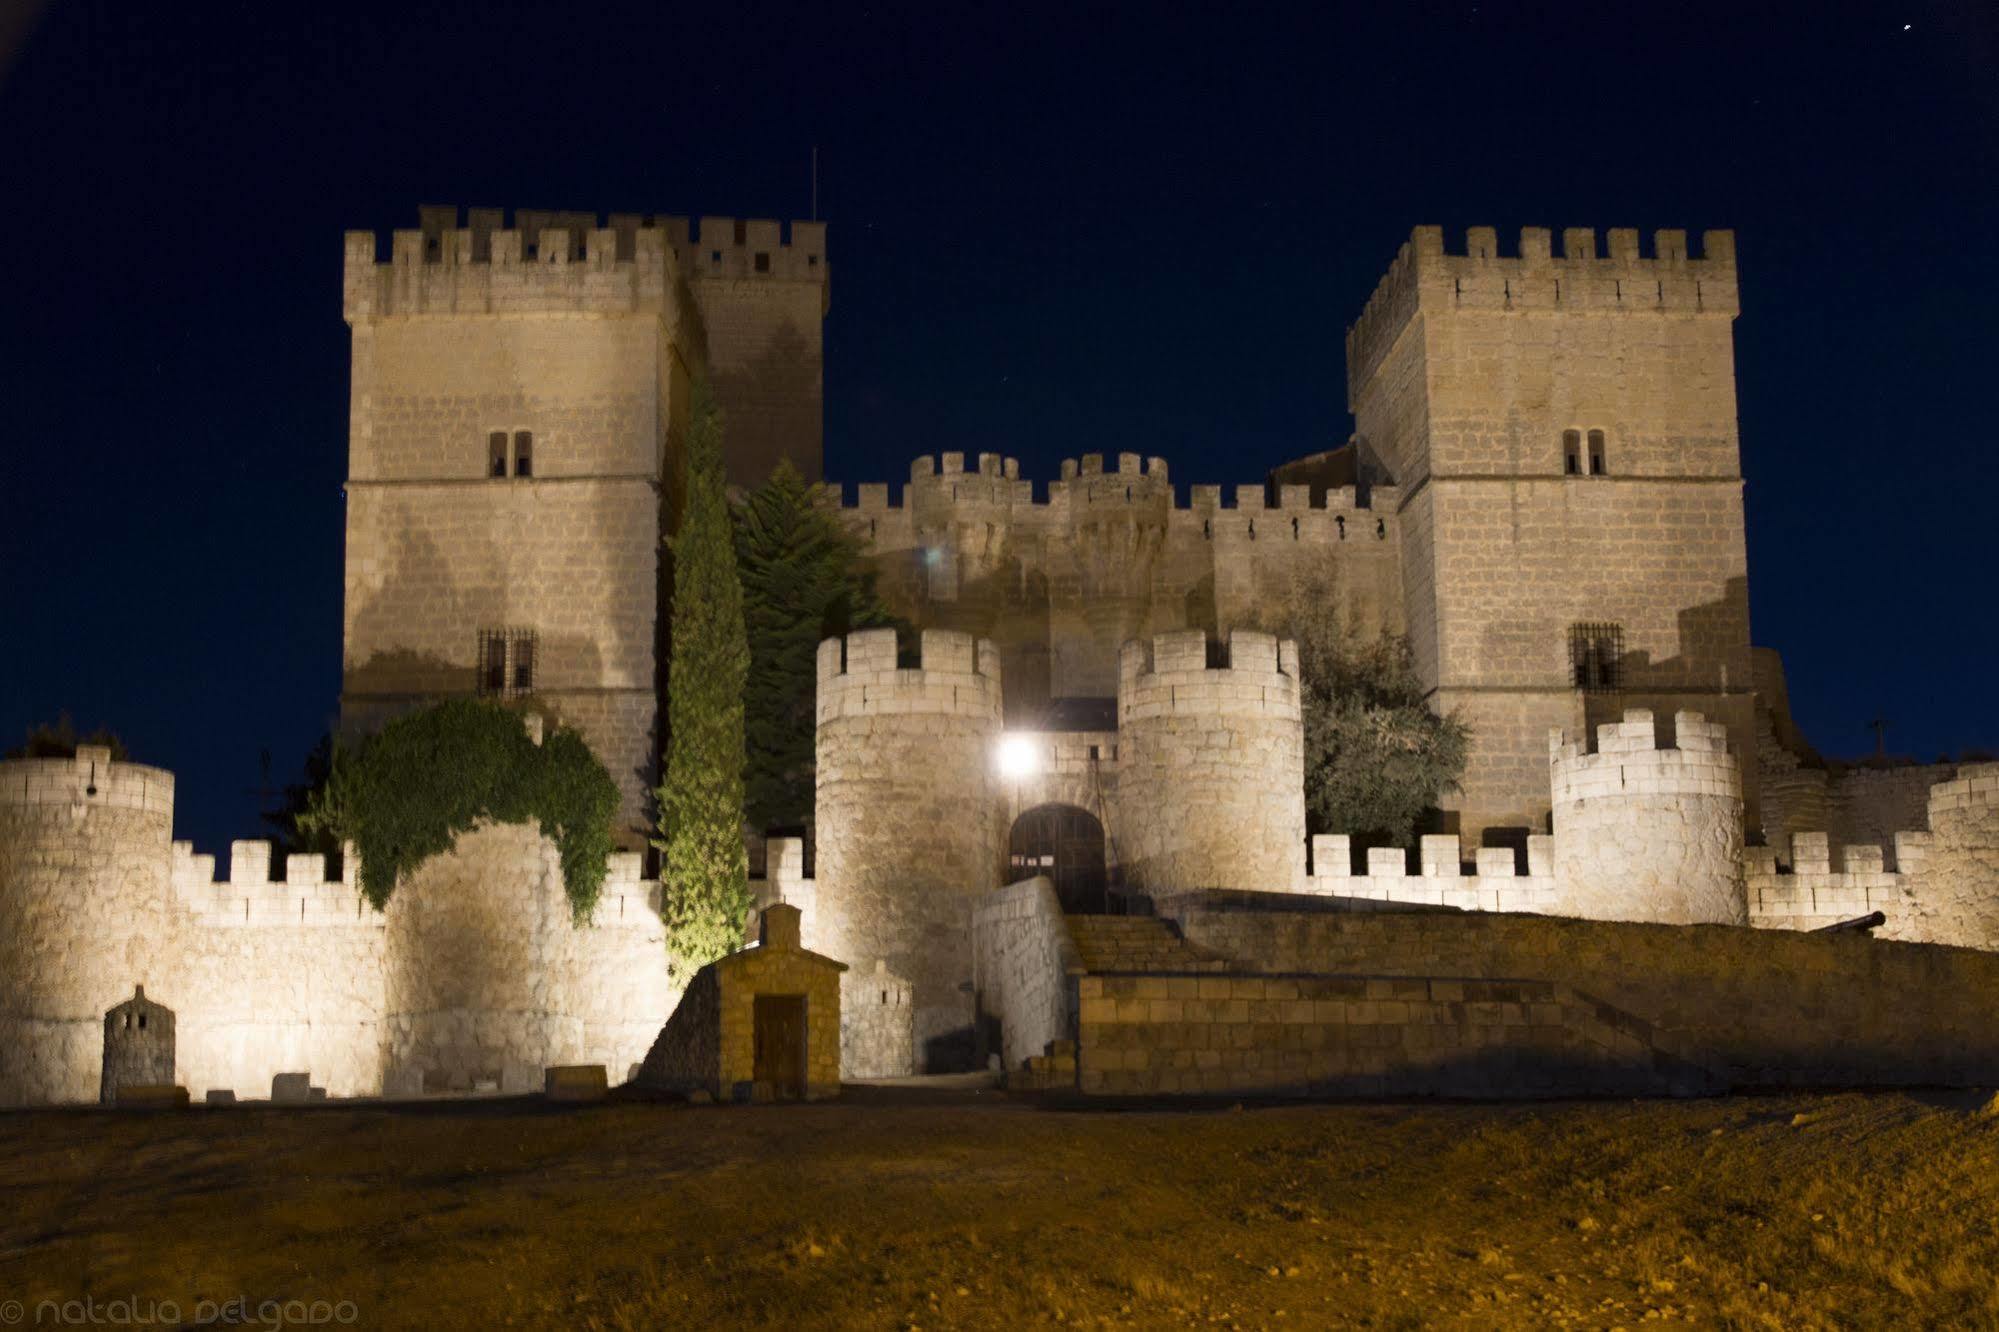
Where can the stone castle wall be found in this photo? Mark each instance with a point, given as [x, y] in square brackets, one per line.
[1063, 581]
[1463, 374]
[475, 971]
[1211, 777]
[1649, 833]
[908, 822]
[1765, 1007]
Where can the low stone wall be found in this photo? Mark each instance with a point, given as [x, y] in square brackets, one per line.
[877, 1024]
[1024, 962]
[1762, 1007]
[1368, 1036]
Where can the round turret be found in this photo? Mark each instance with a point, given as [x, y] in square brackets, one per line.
[1958, 898]
[1649, 834]
[85, 857]
[908, 830]
[1211, 775]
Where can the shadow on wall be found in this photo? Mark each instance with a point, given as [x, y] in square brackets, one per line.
[769, 407]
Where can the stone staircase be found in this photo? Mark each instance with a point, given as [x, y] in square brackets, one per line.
[1137, 943]
[1041, 1072]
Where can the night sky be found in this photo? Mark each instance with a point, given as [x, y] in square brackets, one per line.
[1051, 232]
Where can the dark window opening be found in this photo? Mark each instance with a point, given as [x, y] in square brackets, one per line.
[812, 261]
[496, 453]
[1218, 655]
[742, 231]
[524, 664]
[714, 256]
[1572, 452]
[523, 453]
[492, 662]
[1340, 522]
[142, 1022]
[1596, 463]
[1596, 657]
[763, 261]
[1381, 529]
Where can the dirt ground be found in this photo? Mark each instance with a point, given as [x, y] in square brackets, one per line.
[920, 1209]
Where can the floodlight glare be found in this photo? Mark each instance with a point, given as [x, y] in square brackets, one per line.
[1018, 757]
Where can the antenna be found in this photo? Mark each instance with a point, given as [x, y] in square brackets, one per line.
[815, 182]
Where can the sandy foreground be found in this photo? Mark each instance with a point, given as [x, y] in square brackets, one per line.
[902, 1208]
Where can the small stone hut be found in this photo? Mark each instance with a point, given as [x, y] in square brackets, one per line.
[138, 1045]
[761, 1024]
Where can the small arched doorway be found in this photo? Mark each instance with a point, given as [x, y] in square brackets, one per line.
[1066, 844]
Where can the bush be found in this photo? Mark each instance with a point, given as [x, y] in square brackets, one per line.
[406, 794]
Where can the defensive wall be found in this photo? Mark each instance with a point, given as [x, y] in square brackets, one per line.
[1109, 552]
[475, 974]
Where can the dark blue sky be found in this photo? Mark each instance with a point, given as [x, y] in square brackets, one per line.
[1052, 231]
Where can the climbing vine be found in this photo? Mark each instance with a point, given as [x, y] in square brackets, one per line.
[404, 794]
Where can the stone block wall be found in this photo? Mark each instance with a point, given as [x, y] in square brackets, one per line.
[475, 971]
[1492, 882]
[1644, 832]
[908, 820]
[1211, 776]
[1761, 1007]
[1026, 964]
[876, 1024]
[1109, 552]
[1368, 1036]
[1464, 373]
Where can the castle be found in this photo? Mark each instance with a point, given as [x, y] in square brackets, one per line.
[1543, 492]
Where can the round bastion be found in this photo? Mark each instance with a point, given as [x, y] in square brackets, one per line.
[85, 859]
[907, 823]
[1211, 767]
[1649, 834]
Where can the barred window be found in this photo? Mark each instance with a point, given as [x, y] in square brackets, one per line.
[506, 662]
[1572, 452]
[1596, 657]
[1596, 458]
[523, 453]
[496, 453]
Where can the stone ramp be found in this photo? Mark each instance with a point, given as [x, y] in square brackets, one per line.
[1138, 944]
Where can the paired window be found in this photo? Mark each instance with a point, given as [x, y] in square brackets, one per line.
[1583, 455]
[499, 456]
[1596, 657]
[506, 662]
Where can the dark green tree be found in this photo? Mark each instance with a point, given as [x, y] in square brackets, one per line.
[59, 740]
[1376, 757]
[802, 582]
[705, 876]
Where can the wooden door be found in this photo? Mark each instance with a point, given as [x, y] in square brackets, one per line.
[780, 1042]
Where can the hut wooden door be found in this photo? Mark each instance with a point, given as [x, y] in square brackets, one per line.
[780, 1042]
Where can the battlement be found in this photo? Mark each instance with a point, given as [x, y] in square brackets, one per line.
[750, 249]
[942, 491]
[1170, 675]
[1494, 881]
[565, 262]
[1976, 787]
[953, 675]
[1425, 276]
[1627, 760]
[89, 780]
[248, 895]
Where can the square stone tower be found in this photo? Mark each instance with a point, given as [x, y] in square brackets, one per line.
[519, 399]
[1563, 433]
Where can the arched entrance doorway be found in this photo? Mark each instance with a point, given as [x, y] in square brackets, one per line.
[1066, 844]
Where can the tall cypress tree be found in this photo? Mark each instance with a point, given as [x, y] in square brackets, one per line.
[705, 877]
[802, 581]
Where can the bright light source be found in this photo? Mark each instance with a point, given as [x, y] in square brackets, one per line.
[1019, 757]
